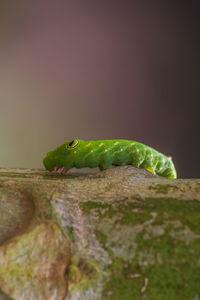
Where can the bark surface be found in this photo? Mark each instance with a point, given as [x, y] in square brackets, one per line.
[116, 234]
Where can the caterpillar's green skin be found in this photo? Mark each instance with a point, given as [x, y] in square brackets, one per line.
[104, 153]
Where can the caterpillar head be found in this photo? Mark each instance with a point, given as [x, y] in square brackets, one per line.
[62, 158]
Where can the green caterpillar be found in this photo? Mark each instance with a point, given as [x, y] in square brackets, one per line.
[104, 153]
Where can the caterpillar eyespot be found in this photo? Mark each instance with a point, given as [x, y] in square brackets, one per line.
[104, 153]
[72, 144]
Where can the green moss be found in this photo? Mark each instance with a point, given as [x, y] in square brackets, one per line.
[174, 275]
[102, 238]
[167, 248]
[123, 211]
[170, 265]
[167, 261]
[82, 274]
[133, 214]
[172, 282]
[87, 206]
[69, 231]
[187, 212]
[169, 272]
[121, 285]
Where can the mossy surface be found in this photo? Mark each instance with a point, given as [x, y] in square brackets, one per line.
[129, 235]
[161, 257]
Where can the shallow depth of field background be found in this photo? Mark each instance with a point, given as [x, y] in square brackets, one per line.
[99, 70]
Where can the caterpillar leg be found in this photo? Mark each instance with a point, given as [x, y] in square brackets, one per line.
[150, 169]
[146, 166]
[103, 167]
[169, 173]
[105, 162]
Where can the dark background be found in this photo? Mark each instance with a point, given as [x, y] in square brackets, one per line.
[99, 70]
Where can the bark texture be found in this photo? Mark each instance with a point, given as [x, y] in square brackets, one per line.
[89, 235]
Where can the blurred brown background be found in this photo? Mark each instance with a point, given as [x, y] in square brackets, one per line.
[99, 70]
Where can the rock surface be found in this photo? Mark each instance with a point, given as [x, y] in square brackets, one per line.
[122, 233]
